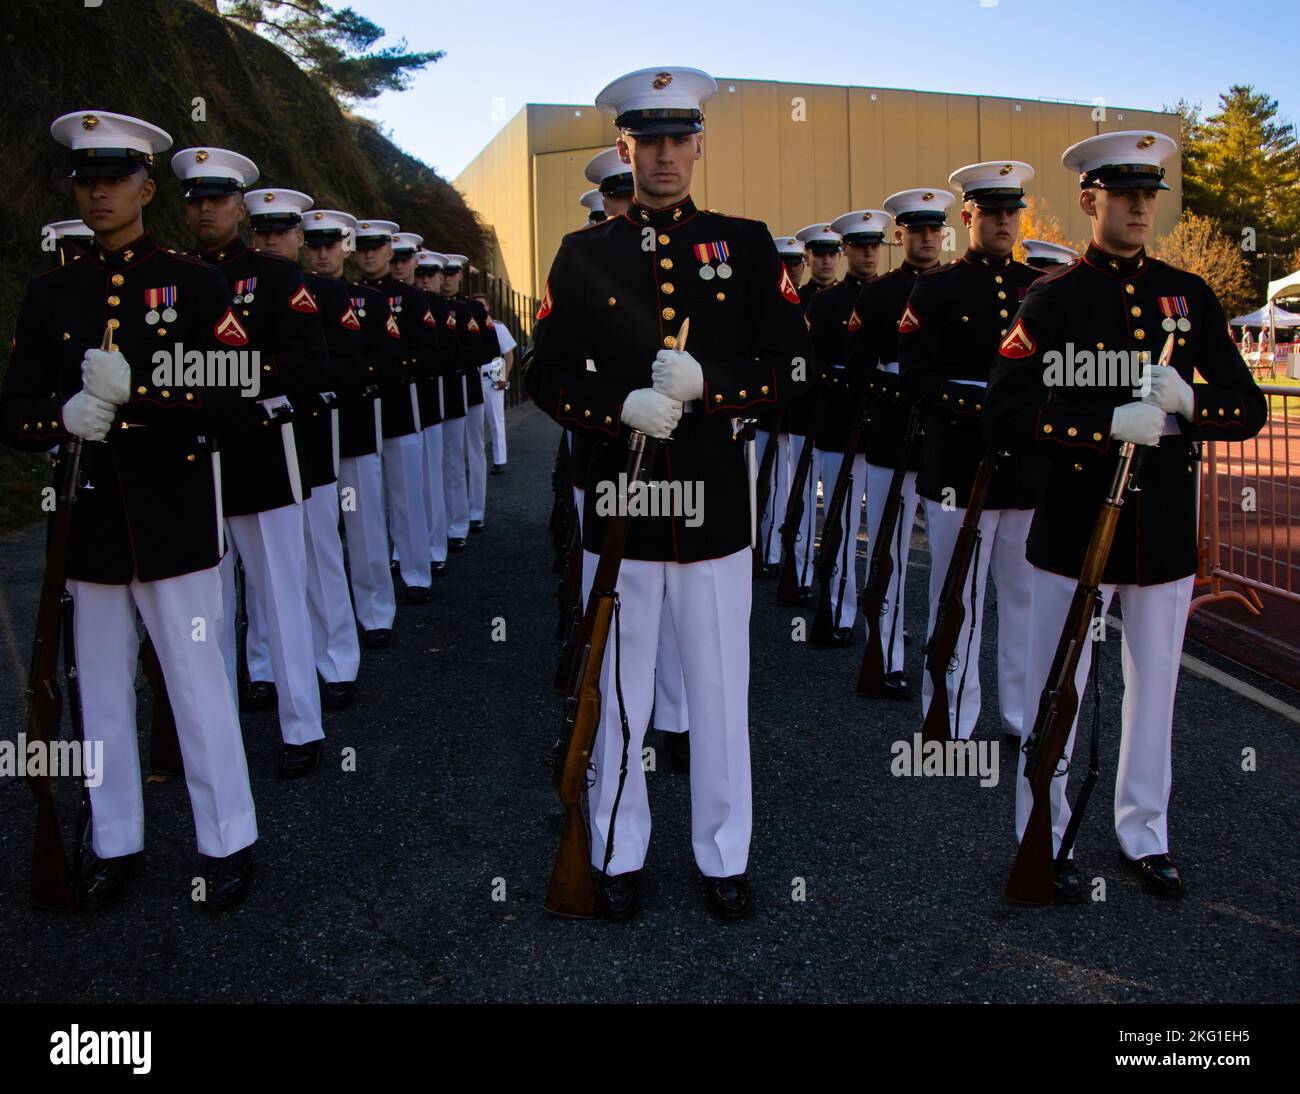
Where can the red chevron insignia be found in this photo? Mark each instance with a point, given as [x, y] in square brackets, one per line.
[229, 331]
[303, 301]
[910, 321]
[1017, 343]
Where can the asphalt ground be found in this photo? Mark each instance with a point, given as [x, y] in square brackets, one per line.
[419, 875]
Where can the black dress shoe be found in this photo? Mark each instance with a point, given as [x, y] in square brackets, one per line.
[476, 526]
[338, 696]
[456, 544]
[378, 638]
[678, 747]
[771, 569]
[729, 897]
[298, 760]
[1158, 873]
[842, 636]
[259, 695]
[228, 880]
[804, 595]
[618, 897]
[109, 879]
[498, 468]
[894, 686]
[437, 568]
[417, 594]
[1069, 885]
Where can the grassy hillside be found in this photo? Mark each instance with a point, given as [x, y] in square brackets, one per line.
[152, 58]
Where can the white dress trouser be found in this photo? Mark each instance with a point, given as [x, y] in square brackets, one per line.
[804, 541]
[455, 485]
[272, 546]
[1155, 617]
[710, 603]
[1003, 533]
[433, 487]
[361, 482]
[891, 619]
[407, 513]
[476, 456]
[495, 401]
[333, 626]
[845, 609]
[778, 495]
[670, 681]
[183, 616]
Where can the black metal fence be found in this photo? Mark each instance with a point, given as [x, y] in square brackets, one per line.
[517, 311]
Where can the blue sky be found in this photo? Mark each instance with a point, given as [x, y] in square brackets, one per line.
[504, 53]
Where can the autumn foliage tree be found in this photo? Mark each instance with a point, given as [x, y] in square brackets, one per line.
[1197, 244]
[1037, 223]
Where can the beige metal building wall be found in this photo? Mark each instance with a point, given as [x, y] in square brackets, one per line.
[790, 154]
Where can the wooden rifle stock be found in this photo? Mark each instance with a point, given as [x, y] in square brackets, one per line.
[54, 884]
[787, 588]
[871, 675]
[833, 536]
[763, 490]
[1033, 874]
[570, 891]
[951, 612]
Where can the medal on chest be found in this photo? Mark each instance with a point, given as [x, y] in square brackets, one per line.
[161, 303]
[395, 305]
[1174, 310]
[707, 253]
[359, 304]
[244, 290]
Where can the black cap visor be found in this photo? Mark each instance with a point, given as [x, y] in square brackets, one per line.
[660, 123]
[1011, 197]
[203, 187]
[112, 163]
[1124, 176]
[616, 186]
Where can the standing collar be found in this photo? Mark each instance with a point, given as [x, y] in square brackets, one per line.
[1113, 264]
[134, 251]
[915, 271]
[979, 258]
[226, 252]
[670, 217]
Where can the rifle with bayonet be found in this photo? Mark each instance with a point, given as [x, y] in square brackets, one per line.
[55, 884]
[827, 619]
[871, 676]
[570, 891]
[951, 611]
[1033, 874]
[787, 587]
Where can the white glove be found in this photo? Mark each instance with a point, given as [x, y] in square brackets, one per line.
[678, 375]
[651, 413]
[106, 375]
[88, 417]
[1167, 390]
[1139, 423]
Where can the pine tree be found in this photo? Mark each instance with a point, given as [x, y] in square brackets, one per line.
[331, 44]
[1241, 167]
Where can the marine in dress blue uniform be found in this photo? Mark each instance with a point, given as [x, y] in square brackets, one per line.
[146, 529]
[618, 293]
[263, 488]
[1116, 299]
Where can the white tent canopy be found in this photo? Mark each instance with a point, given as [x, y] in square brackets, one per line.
[1281, 318]
[1284, 286]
